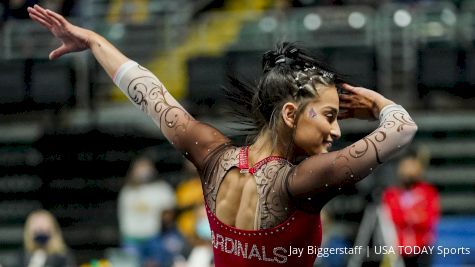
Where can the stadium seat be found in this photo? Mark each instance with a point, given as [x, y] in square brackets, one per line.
[470, 71]
[438, 68]
[12, 87]
[52, 82]
[357, 63]
[245, 64]
[206, 76]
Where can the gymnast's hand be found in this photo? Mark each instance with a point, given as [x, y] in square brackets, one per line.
[361, 103]
[73, 38]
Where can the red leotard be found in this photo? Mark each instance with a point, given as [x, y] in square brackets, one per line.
[266, 247]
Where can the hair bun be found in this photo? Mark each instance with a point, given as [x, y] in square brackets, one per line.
[279, 59]
[268, 60]
[273, 58]
[286, 54]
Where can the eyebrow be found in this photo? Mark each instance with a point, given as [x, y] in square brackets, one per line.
[332, 109]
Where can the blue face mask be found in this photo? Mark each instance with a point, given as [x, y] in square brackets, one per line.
[41, 238]
[202, 229]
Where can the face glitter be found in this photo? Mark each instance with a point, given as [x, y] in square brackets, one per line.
[312, 113]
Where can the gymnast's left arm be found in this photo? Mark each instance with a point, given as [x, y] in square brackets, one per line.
[324, 175]
[193, 138]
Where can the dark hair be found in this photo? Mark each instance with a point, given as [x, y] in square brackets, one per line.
[289, 74]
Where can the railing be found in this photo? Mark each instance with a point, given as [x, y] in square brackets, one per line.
[165, 27]
[394, 32]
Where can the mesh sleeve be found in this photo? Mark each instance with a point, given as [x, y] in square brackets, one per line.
[193, 138]
[328, 172]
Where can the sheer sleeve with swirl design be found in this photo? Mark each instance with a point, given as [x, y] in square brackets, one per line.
[327, 173]
[192, 138]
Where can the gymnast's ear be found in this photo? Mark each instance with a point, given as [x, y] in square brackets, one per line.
[289, 114]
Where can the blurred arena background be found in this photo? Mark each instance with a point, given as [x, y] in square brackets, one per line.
[67, 135]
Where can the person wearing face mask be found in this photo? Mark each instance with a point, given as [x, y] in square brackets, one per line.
[43, 243]
[202, 253]
[414, 209]
[141, 203]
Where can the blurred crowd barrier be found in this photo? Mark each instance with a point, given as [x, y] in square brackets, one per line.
[420, 52]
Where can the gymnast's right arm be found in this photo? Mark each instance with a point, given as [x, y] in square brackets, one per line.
[143, 88]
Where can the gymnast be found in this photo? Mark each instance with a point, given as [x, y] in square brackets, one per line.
[263, 200]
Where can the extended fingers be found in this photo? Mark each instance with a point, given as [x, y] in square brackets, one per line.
[62, 21]
[37, 13]
[40, 13]
[348, 87]
[349, 100]
[346, 97]
[34, 16]
[353, 89]
[348, 105]
[47, 16]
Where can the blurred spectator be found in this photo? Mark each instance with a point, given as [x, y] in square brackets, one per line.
[173, 243]
[135, 11]
[142, 202]
[189, 196]
[43, 243]
[193, 221]
[333, 237]
[202, 253]
[414, 210]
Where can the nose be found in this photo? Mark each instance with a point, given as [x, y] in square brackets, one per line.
[335, 130]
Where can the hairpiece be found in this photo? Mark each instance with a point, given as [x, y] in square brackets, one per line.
[326, 74]
[292, 53]
[280, 59]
